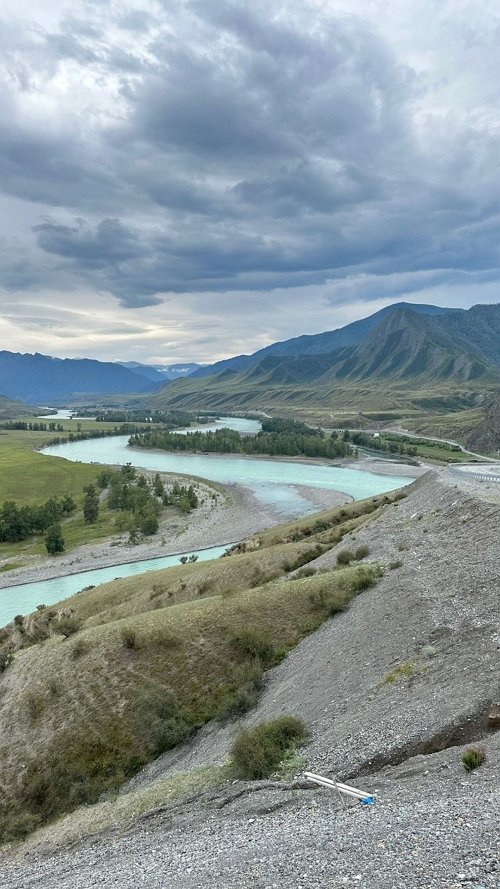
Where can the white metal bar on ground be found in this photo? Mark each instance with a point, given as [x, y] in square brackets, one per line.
[338, 785]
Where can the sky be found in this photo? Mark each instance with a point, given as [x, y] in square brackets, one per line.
[190, 180]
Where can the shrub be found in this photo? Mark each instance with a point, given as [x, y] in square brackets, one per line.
[345, 557]
[328, 602]
[17, 825]
[35, 704]
[160, 721]
[364, 578]
[427, 651]
[67, 626]
[397, 563]
[5, 660]
[244, 695]
[307, 571]
[129, 638]
[307, 556]
[80, 647]
[256, 753]
[472, 758]
[291, 765]
[361, 552]
[54, 687]
[252, 643]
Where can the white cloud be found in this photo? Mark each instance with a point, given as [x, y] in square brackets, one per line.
[192, 181]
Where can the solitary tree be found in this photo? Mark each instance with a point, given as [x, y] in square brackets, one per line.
[91, 505]
[54, 541]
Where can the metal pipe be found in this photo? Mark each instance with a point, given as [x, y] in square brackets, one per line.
[362, 795]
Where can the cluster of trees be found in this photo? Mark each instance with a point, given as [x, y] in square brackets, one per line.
[391, 445]
[20, 522]
[171, 419]
[79, 435]
[183, 496]
[131, 493]
[32, 427]
[277, 438]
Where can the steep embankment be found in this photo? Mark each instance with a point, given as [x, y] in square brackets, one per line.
[98, 685]
[388, 689]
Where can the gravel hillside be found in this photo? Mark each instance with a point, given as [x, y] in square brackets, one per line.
[392, 691]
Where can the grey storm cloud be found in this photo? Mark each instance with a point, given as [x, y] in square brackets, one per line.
[226, 146]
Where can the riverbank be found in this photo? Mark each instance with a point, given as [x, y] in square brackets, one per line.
[224, 517]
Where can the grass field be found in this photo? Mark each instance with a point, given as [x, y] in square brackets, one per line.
[27, 476]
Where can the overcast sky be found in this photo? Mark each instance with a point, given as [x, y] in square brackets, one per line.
[190, 180]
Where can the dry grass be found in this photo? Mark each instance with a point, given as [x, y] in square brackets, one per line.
[119, 812]
[202, 636]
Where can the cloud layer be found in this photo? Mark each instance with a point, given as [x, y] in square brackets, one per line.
[222, 163]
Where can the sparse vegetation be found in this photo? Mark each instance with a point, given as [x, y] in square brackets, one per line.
[472, 758]
[345, 557]
[128, 637]
[199, 658]
[404, 670]
[257, 752]
[67, 626]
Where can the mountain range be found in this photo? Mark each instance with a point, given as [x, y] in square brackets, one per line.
[404, 347]
[41, 379]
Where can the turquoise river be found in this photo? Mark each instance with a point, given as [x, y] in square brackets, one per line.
[276, 483]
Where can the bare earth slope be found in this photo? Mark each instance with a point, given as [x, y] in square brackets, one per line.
[392, 690]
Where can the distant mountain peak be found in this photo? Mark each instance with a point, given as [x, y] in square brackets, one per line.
[406, 344]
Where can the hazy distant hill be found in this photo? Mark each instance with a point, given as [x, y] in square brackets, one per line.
[42, 379]
[161, 372]
[10, 409]
[403, 346]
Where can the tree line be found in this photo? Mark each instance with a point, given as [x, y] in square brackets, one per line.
[387, 443]
[277, 438]
[79, 435]
[171, 419]
[20, 522]
[24, 425]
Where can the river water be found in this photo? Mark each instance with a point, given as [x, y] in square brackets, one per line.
[273, 482]
[23, 598]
